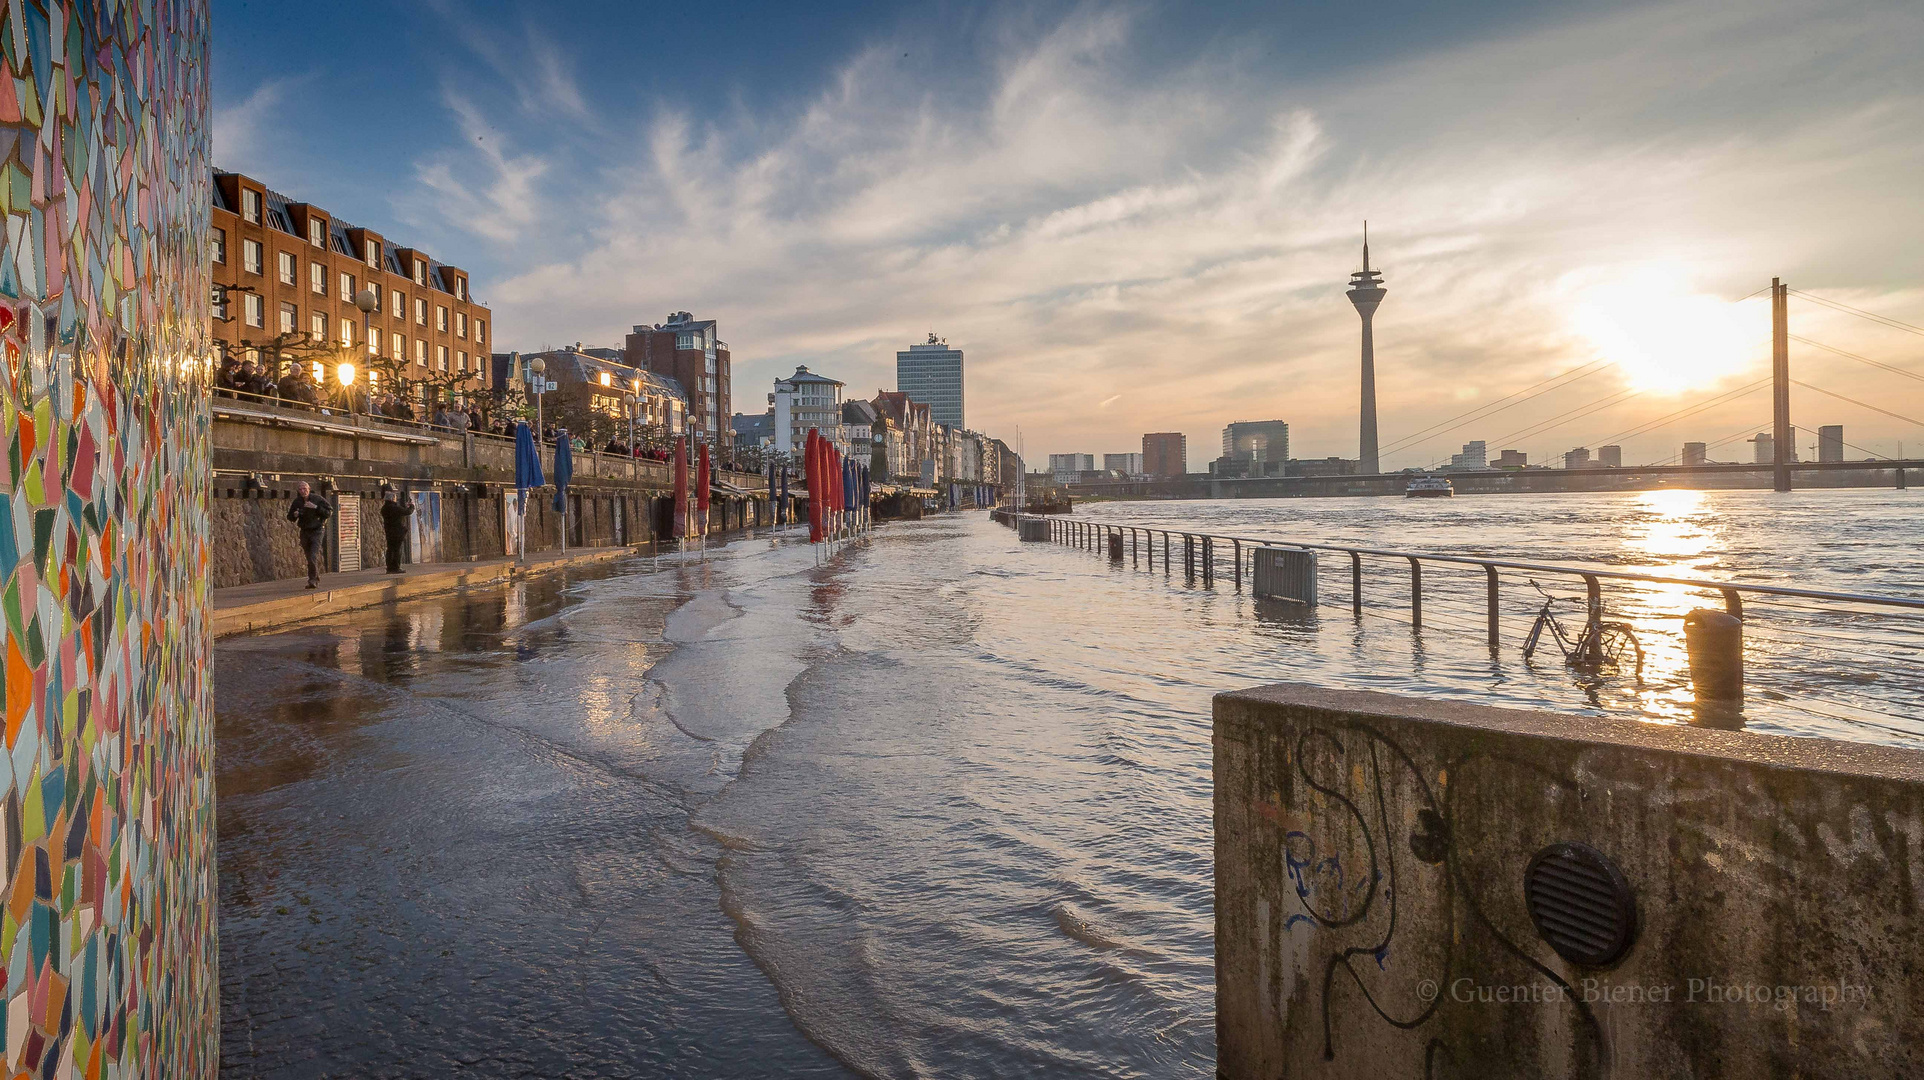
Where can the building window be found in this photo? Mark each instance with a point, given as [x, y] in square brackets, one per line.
[440, 357]
[317, 327]
[251, 206]
[421, 352]
[460, 324]
[251, 256]
[317, 232]
[347, 287]
[285, 260]
[317, 278]
[461, 288]
[397, 304]
[289, 317]
[219, 245]
[460, 361]
[373, 254]
[400, 350]
[441, 318]
[256, 310]
[420, 272]
[347, 331]
[220, 303]
[480, 331]
[420, 311]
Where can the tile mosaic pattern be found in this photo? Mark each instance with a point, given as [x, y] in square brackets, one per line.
[107, 916]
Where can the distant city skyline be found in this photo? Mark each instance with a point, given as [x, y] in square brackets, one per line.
[1075, 190]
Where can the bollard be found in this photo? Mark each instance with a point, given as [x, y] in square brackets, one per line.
[1715, 643]
[1115, 547]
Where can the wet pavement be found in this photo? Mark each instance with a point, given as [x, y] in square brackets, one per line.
[431, 861]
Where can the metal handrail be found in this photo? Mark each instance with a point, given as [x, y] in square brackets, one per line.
[1588, 573]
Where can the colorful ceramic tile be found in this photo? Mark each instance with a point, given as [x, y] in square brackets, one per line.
[107, 942]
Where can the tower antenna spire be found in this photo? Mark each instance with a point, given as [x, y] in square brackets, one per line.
[1366, 244]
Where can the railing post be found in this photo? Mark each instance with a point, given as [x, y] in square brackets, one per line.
[1416, 594]
[1734, 602]
[1189, 557]
[1490, 588]
[1356, 583]
[1593, 624]
[1237, 545]
[1209, 562]
[1165, 553]
[1135, 559]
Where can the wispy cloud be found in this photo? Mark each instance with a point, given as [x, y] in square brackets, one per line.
[1124, 247]
[244, 132]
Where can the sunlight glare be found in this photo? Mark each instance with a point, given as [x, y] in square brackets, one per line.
[1664, 337]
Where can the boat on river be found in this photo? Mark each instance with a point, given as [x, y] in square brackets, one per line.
[1429, 487]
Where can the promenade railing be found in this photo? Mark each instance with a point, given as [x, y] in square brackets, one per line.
[1823, 643]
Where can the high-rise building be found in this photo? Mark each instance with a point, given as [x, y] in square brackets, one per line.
[1610, 457]
[287, 275]
[1577, 459]
[1513, 459]
[689, 351]
[1764, 450]
[1475, 455]
[1072, 463]
[1696, 453]
[1830, 442]
[931, 373]
[1165, 453]
[1128, 464]
[1257, 442]
[806, 400]
[1366, 292]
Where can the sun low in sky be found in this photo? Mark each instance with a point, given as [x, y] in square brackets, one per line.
[1669, 338]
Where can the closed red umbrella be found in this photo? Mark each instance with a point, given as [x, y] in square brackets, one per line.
[813, 466]
[681, 488]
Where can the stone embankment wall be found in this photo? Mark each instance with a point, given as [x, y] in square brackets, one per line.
[262, 451]
[1372, 920]
[108, 935]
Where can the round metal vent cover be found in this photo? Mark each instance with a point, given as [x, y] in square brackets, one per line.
[1581, 904]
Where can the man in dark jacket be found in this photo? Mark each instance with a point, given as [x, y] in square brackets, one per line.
[311, 512]
[395, 512]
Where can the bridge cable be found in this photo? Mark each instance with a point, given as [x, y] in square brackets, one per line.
[1424, 435]
[1836, 305]
[1860, 404]
[1860, 359]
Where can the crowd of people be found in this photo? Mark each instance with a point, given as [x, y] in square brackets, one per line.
[297, 386]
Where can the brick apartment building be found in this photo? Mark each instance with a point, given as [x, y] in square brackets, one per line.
[286, 268]
[1165, 453]
[689, 351]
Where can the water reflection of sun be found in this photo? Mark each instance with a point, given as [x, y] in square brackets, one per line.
[1670, 534]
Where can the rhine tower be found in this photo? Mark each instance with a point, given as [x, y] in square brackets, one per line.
[1366, 291]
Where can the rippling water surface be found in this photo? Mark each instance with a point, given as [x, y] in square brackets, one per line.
[936, 807]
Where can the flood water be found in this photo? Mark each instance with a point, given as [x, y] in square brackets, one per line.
[936, 807]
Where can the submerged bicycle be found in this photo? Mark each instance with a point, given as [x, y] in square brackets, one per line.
[1598, 646]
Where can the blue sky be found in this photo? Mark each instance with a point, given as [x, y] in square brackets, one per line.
[1141, 217]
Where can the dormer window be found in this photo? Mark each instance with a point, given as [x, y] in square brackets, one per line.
[460, 288]
[317, 232]
[251, 206]
[373, 254]
[420, 272]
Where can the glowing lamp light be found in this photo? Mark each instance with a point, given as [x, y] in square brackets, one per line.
[345, 373]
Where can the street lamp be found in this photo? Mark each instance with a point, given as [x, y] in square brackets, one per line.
[344, 371]
[539, 368]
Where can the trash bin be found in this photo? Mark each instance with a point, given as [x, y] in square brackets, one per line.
[1714, 641]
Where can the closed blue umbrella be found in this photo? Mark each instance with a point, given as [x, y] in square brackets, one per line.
[564, 468]
[527, 460]
[781, 508]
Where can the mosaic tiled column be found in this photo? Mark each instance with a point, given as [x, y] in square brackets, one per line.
[108, 925]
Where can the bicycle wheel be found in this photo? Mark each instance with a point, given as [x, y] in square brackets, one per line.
[1620, 644]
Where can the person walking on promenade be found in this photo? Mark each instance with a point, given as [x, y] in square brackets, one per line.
[311, 512]
[395, 512]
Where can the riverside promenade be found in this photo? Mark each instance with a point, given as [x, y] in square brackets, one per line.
[267, 604]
